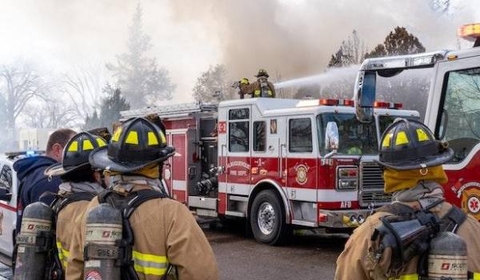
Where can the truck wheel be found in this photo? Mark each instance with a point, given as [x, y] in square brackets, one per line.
[267, 219]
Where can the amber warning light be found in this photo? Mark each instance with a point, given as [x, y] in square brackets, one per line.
[470, 32]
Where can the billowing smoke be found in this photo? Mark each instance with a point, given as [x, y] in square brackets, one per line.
[291, 39]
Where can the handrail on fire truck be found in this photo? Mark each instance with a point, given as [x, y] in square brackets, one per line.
[170, 110]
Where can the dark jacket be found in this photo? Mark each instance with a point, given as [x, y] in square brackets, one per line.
[30, 171]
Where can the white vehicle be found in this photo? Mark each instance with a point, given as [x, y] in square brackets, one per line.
[8, 204]
[453, 109]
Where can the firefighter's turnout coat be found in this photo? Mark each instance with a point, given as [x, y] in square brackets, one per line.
[255, 89]
[164, 232]
[66, 228]
[357, 261]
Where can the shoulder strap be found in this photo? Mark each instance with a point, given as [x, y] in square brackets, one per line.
[397, 209]
[452, 220]
[61, 202]
[127, 205]
[140, 197]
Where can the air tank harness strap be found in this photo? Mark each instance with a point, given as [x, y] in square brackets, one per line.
[59, 254]
[449, 222]
[122, 250]
[61, 202]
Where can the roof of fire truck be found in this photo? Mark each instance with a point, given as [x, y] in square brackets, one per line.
[267, 106]
[174, 110]
[279, 106]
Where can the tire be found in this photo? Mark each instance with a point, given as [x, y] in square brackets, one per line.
[267, 219]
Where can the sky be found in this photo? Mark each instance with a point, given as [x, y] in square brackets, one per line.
[289, 38]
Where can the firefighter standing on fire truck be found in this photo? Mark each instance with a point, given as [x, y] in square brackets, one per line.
[260, 88]
[164, 230]
[413, 173]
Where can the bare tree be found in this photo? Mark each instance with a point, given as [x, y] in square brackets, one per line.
[212, 85]
[18, 84]
[83, 86]
[350, 52]
[52, 112]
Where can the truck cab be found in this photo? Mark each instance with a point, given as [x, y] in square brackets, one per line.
[452, 112]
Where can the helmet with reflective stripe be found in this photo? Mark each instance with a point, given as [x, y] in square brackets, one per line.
[409, 144]
[134, 145]
[76, 153]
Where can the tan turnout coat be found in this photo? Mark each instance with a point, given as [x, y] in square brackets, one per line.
[162, 227]
[357, 261]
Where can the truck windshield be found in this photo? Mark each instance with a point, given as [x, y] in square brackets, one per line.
[355, 138]
[460, 124]
[385, 120]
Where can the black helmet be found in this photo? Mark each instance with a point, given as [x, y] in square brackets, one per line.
[409, 144]
[76, 153]
[134, 145]
[262, 73]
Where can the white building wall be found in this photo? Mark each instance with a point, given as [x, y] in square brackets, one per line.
[33, 138]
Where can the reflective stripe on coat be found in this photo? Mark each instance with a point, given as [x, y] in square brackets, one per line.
[357, 261]
[164, 231]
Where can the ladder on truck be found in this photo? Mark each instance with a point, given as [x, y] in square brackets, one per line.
[171, 111]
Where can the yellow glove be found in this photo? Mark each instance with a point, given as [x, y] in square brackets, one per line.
[244, 81]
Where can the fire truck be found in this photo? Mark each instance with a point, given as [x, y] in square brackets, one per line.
[278, 163]
[452, 113]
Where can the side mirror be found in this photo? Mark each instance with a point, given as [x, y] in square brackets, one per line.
[364, 95]
[331, 138]
[443, 125]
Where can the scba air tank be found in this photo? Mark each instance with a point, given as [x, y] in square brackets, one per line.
[34, 242]
[447, 259]
[103, 229]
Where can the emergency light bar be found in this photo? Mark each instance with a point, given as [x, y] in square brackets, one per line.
[29, 153]
[326, 102]
[423, 60]
[336, 102]
[469, 31]
[389, 105]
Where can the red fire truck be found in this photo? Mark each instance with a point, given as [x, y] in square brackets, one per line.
[453, 109]
[280, 163]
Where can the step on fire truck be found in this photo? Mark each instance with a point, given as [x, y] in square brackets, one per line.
[453, 109]
[280, 163]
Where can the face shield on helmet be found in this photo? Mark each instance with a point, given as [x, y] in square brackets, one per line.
[409, 144]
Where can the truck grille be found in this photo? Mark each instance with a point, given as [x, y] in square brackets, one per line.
[371, 186]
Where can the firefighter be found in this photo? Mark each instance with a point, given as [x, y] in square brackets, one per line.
[80, 183]
[165, 232]
[238, 140]
[412, 160]
[260, 88]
